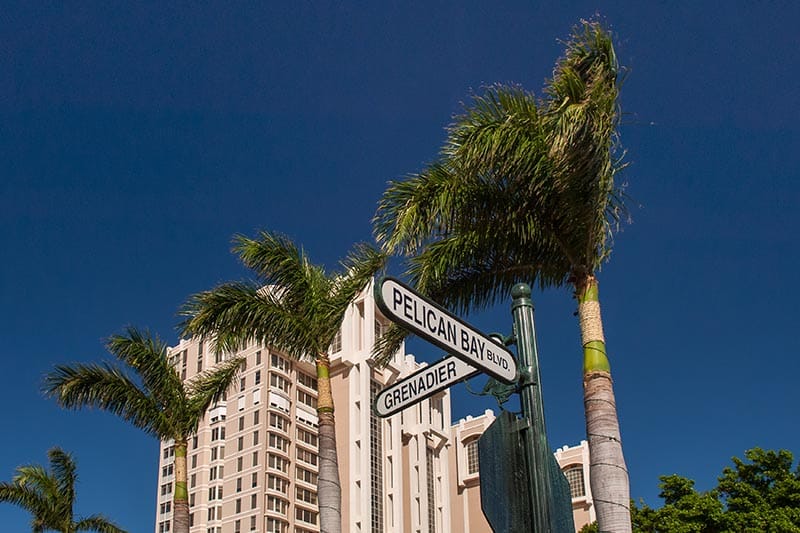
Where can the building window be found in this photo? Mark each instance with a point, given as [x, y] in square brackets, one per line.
[307, 381]
[431, 490]
[255, 458]
[280, 363]
[472, 457]
[307, 437]
[253, 501]
[258, 357]
[277, 483]
[380, 329]
[278, 463]
[307, 456]
[574, 475]
[336, 345]
[304, 515]
[257, 377]
[255, 417]
[276, 526]
[242, 384]
[376, 464]
[279, 382]
[277, 505]
[306, 475]
[278, 422]
[279, 443]
[307, 496]
[306, 399]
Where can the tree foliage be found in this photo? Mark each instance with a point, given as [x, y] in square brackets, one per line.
[149, 393]
[49, 495]
[758, 494]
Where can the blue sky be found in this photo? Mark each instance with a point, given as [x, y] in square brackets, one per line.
[135, 140]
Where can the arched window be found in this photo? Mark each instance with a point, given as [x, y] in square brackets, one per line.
[574, 475]
[472, 456]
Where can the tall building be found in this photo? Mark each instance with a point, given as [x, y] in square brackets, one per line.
[253, 464]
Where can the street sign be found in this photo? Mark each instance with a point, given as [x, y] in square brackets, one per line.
[505, 488]
[402, 305]
[422, 384]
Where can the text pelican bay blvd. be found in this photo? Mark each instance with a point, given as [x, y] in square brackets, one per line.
[425, 318]
[421, 384]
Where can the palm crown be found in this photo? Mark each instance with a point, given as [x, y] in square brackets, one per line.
[524, 188]
[154, 399]
[294, 305]
[49, 495]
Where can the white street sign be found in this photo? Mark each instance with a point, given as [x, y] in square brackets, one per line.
[433, 323]
[422, 384]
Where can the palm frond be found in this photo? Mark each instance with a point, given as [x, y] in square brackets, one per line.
[97, 523]
[415, 210]
[500, 132]
[233, 314]
[209, 387]
[107, 388]
[146, 354]
[277, 261]
[64, 473]
[25, 497]
[582, 120]
[388, 344]
[360, 266]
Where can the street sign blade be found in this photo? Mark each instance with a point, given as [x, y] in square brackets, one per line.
[402, 305]
[422, 384]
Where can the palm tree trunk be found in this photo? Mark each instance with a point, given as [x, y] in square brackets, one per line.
[180, 499]
[329, 489]
[608, 474]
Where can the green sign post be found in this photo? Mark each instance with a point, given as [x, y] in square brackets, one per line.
[524, 443]
[522, 486]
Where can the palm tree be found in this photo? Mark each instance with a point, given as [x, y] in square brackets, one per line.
[298, 308]
[524, 190]
[156, 400]
[49, 495]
